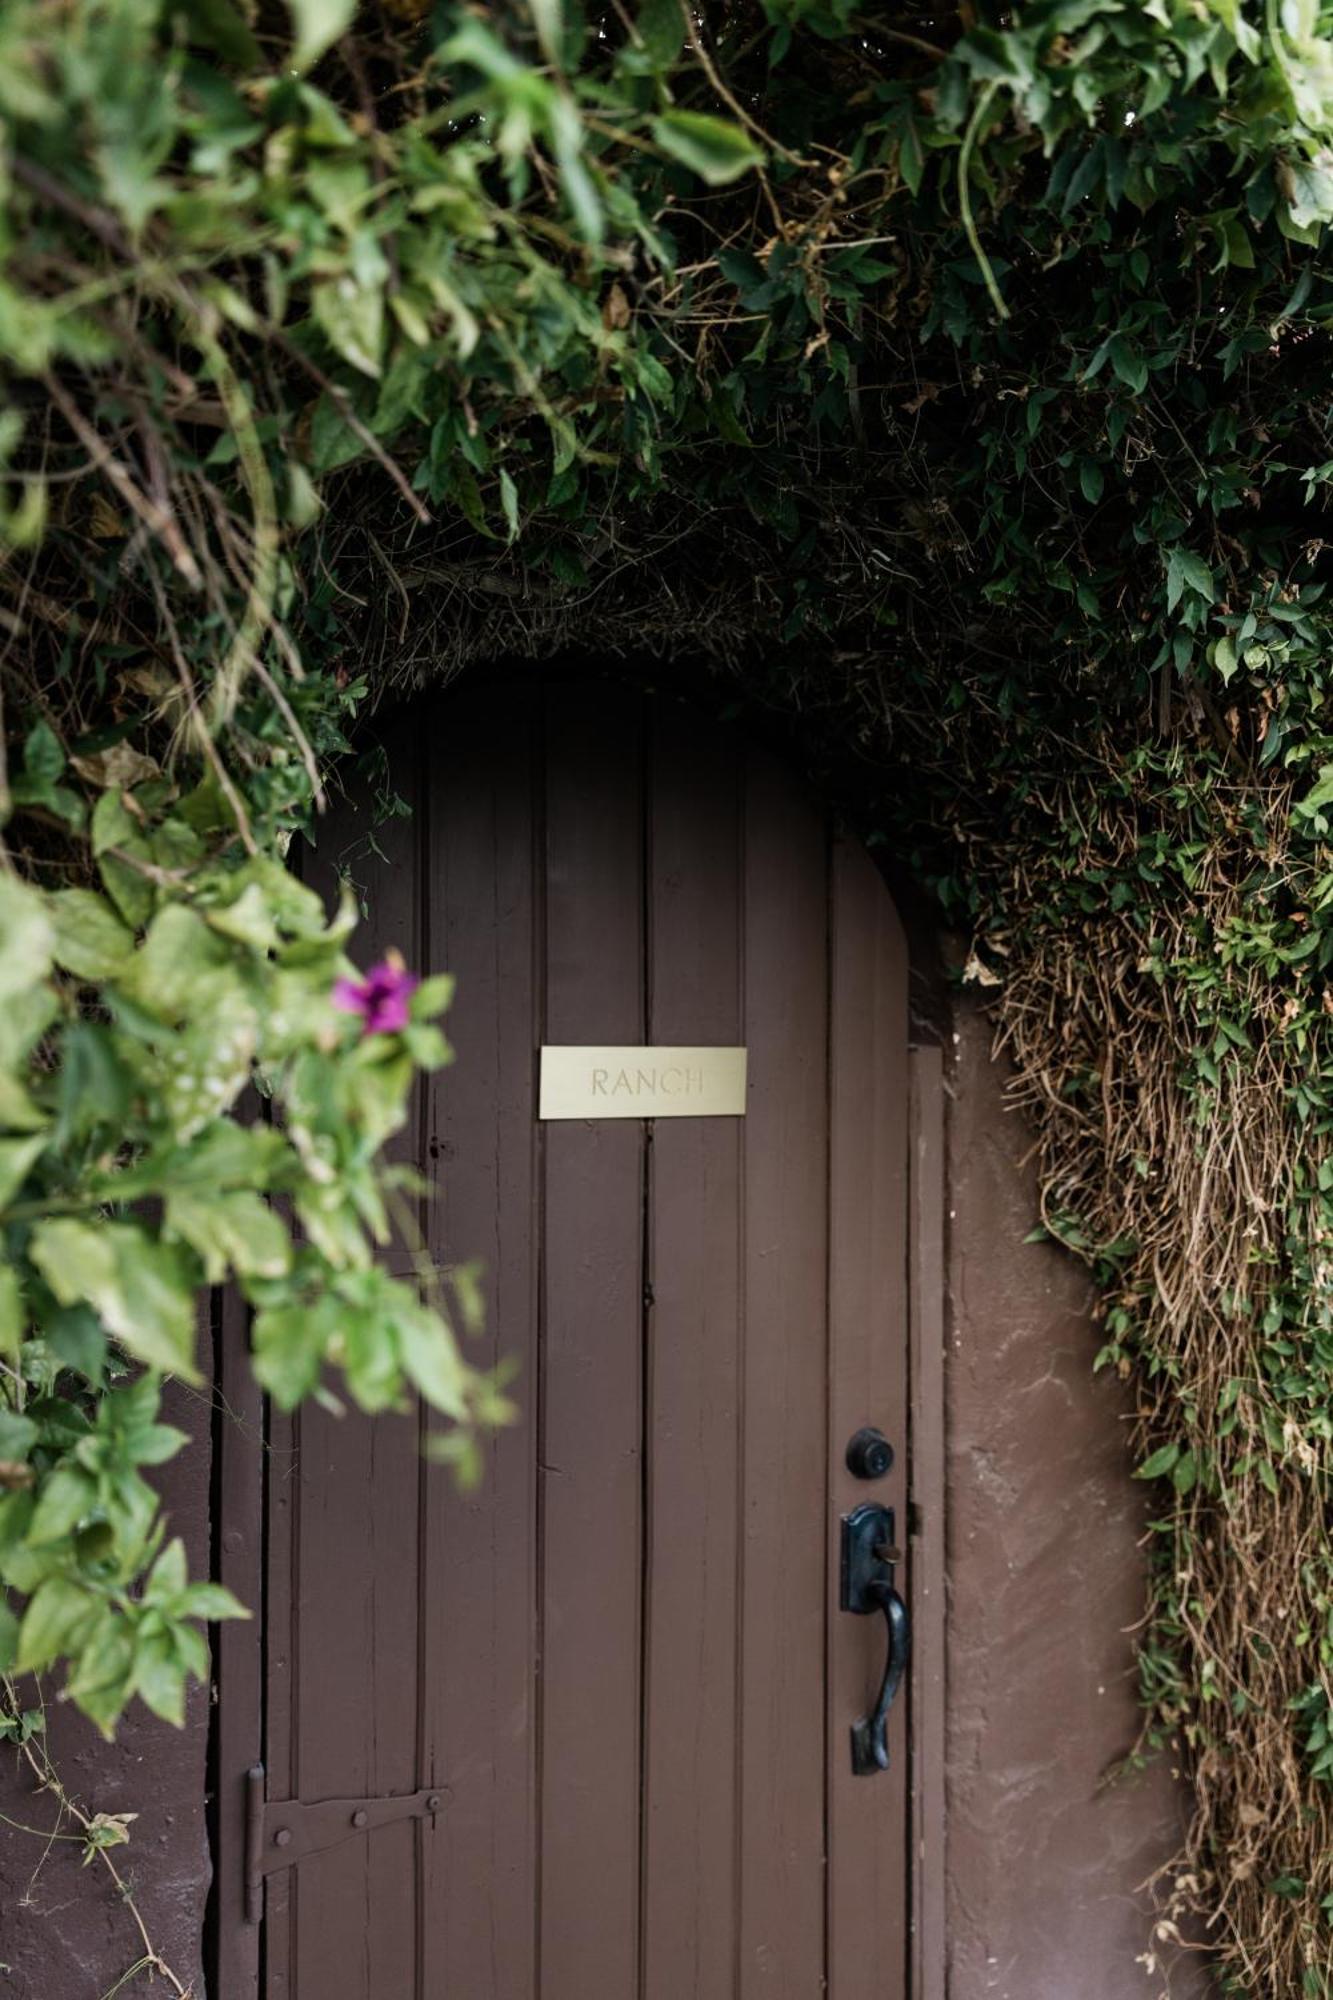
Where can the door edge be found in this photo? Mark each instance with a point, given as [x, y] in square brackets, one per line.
[927, 1486]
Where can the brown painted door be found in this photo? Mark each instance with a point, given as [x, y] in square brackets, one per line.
[619, 1666]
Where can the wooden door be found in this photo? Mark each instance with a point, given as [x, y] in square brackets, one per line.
[596, 1714]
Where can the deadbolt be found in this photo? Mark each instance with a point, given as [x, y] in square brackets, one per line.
[869, 1454]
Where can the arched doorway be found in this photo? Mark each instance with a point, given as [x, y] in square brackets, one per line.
[587, 1729]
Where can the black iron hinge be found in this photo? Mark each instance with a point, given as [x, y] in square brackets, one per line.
[279, 1833]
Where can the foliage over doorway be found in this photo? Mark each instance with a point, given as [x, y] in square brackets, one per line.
[959, 377]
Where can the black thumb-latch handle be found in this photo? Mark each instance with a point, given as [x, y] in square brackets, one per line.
[870, 1736]
[868, 1558]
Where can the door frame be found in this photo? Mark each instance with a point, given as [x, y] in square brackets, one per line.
[926, 1515]
[240, 1497]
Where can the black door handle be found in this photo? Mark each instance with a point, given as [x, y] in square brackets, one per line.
[868, 1558]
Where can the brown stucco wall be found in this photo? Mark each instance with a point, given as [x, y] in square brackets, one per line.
[1045, 1865]
[64, 1933]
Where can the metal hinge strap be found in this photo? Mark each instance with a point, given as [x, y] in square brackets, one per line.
[279, 1833]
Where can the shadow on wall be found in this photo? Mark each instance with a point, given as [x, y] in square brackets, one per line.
[1047, 1866]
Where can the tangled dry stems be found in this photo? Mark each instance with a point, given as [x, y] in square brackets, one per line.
[1198, 1208]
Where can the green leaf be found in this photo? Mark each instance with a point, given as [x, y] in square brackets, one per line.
[12, 1315]
[660, 26]
[297, 909]
[76, 1338]
[1159, 1462]
[1186, 570]
[547, 18]
[168, 1576]
[210, 1601]
[303, 502]
[202, 1070]
[179, 954]
[18, 1112]
[157, 1444]
[113, 824]
[711, 147]
[57, 1617]
[1307, 188]
[509, 503]
[141, 1289]
[1184, 1473]
[159, 1676]
[431, 1359]
[90, 940]
[9, 1635]
[101, 1678]
[67, 1497]
[96, 1085]
[130, 891]
[18, 1434]
[249, 920]
[318, 25]
[230, 1231]
[1128, 362]
[16, 1156]
[43, 758]
[220, 25]
[27, 936]
[352, 315]
[289, 1341]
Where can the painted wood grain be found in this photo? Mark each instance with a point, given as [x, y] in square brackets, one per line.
[345, 1580]
[591, 1423]
[867, 1375]
[692, 1526]
[783, 1584]
[480, 832]
[620, 1657]
[929, 1656]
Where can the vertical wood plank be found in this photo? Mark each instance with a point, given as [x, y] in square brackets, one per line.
[343, 1704]
[238, 1660]
[591, 1459]
[782, 1468]
[281, 1642]
[868, 1346]
[355, 1700]
[695, 1281]
[926, 1278]
[480, 1562]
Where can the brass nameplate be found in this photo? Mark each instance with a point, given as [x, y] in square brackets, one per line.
[642, 1083]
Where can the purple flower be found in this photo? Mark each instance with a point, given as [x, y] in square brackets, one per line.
[380, 998]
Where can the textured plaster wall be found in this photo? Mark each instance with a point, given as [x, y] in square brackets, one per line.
[1045, 1580]
[64, 1933]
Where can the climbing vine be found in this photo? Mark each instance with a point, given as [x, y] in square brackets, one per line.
[959, 380]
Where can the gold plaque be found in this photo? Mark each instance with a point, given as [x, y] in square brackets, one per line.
[642, 1083]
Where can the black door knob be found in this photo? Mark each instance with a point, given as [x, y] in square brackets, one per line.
[869, 1454]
